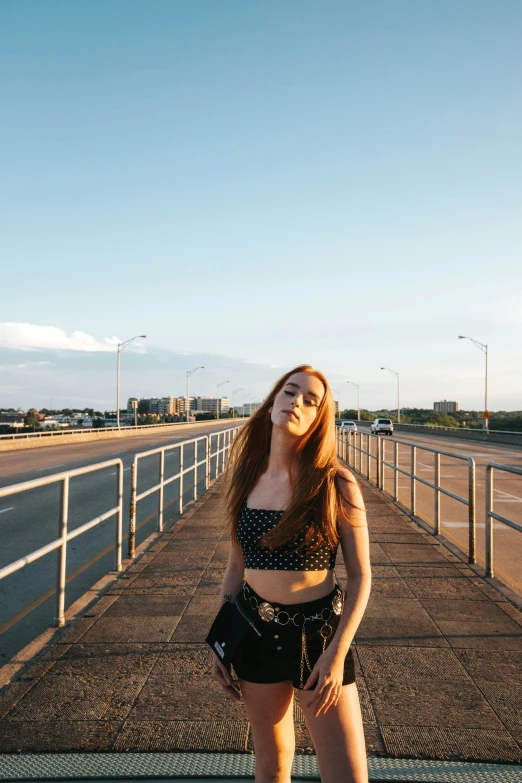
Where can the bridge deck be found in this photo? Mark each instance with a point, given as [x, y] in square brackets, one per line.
[438, 653]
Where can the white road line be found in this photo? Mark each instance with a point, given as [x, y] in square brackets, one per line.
[60, 465]
[3, 510]
[497, 526]
[508, 495]
[114, 472]
[507, 500]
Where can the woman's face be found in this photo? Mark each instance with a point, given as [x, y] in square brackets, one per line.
[295, 406]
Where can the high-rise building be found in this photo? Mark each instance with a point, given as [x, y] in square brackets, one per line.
[210, 404]
[445, 406]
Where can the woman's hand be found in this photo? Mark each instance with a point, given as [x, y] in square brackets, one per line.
[329, 673]
[225, 679]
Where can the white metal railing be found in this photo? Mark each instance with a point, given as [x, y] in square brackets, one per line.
[351, 444]
[477, 430]
[226, 436]
[64, 534]
[491, 515]
[105, 430]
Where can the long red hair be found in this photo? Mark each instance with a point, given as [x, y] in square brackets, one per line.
[317, 502]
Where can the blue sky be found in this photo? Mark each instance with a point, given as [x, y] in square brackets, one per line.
[256, 185]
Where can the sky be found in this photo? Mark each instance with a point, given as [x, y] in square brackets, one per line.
[259, 185]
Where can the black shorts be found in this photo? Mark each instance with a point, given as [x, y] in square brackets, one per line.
[276, 655]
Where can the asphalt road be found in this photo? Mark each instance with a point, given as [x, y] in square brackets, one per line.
[29, 520]
[507, 495]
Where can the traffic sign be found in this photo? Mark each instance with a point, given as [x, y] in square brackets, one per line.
[486, 414]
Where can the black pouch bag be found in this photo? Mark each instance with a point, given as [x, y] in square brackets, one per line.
[228, 630]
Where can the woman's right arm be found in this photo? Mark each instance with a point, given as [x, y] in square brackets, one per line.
[230, 587]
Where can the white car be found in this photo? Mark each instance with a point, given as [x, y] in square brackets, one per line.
[348, 425]
[382, 427]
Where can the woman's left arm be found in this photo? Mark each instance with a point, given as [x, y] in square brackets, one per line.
[329, 669]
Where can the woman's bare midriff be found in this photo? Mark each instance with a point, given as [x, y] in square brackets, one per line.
[290, 587]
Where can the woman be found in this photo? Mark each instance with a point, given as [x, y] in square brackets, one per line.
[289, 505]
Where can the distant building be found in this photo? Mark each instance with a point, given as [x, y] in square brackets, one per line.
[248, 408]
[177, 406]
[336, 405]
[12, 418]
[445, 406]
[210, 404]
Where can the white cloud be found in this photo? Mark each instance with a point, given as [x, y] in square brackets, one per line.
[504, 310]
[22, 366]
[509, 309]
[32, 336]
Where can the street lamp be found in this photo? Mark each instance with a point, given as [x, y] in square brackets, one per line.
[233, 396]
[398, 393]
[357, 386]
[245, 395]
[484, 349]
[121, 347]
[217, 397]
[338, 400]
[189, 373]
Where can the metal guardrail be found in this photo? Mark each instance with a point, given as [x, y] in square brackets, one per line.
[478, 430]
[491, 515]
[89, 430]
[348, 449]
[64, 535]
[217, 446]
[226, 436]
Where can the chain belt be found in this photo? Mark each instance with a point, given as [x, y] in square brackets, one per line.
[269, 614]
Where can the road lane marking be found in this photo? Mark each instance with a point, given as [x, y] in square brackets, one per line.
[508, 495]
[124, 470]
[60, 465]
[3, 510]
[497, 526]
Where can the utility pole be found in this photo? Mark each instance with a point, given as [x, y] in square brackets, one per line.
[217, 397]
[121, 347]
[484, 348]
[357, 385]
[398, 393]
[189, 373]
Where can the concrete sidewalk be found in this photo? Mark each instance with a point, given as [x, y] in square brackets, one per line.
[439, 656]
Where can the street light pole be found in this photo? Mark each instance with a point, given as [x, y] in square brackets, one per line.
[338, 400]
[189, 373]
[233, 397]
[357, 385]
[484, 349]
[398, 393]
[217, 397]
[121, 347]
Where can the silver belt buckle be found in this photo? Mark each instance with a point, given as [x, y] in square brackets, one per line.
[337, 604]
[266, 611]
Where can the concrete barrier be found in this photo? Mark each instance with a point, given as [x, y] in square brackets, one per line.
[84, 436]
[493, 436]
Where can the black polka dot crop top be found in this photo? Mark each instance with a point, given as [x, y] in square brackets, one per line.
[254, 523]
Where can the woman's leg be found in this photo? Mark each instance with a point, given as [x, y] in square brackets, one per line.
[338, 737]
[270, 712]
